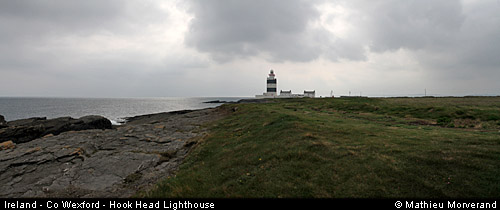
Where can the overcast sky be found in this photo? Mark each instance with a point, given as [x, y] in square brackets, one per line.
[142, 48]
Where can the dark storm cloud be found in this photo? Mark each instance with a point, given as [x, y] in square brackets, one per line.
[232, 29]
[443, 35]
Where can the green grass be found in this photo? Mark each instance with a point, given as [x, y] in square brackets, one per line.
[347, 148]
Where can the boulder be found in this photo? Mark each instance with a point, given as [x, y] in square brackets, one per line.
[94, 121]
[3, 123]
[21, 131]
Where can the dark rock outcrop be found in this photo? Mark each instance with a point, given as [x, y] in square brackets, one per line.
[241, 101]
[254, 101]
[220, 102]
[102, 163]
[27, 122]
[3, 123]
[21, 131]
[21, 134]
[153, 118]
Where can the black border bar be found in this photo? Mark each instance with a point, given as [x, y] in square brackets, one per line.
[193, 203]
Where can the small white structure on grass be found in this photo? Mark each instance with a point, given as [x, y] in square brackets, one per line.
[309, 94]
[285, 93]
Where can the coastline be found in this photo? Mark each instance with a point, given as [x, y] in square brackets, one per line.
[115, 162]
[114, 109]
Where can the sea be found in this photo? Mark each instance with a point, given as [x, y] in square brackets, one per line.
[115, 109]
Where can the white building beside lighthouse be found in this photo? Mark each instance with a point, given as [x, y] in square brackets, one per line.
[272, 90]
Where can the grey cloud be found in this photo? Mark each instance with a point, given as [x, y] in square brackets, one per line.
[412, 24]
[478, 44]
[31, 28]
[235, 29]
[35, 18]
[43, 48]
[23, 20]
[449, 38]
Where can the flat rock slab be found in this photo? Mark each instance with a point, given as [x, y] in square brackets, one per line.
[102, 163]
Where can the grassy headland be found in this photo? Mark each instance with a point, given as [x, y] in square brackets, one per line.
[347, 148]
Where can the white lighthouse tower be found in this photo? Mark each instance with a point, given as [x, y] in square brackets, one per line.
[272, 85]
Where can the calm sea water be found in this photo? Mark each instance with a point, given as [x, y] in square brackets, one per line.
[115, 109]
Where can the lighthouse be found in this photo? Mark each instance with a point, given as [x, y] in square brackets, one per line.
[272, 84]
[272, 87]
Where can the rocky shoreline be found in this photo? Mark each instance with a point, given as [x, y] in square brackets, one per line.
[78, 160]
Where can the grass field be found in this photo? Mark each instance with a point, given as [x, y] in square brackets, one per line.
[347, 148]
